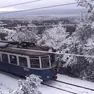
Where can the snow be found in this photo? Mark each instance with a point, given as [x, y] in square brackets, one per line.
[7, 31]
[9, 83]
[2, 45]
[76, 81]
[47, 90]
[70, 88]
[54, 37]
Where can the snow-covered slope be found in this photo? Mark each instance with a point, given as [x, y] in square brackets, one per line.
[76, 81]
[8, 83]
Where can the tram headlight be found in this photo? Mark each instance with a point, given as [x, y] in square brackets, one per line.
[48, 77]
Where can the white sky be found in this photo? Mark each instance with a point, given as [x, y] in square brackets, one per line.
[34, 4]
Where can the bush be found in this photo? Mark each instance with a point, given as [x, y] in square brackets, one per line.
[28, 86]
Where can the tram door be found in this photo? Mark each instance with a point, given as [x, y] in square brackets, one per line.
[13, 62]
[5, 62]
[23, 62]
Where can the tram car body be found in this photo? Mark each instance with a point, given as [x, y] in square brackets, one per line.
[28, 60]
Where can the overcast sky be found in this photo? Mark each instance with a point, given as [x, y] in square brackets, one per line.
[34, 4]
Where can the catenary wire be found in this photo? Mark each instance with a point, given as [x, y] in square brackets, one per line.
[20, 3]
[57, 53]
[39, 8]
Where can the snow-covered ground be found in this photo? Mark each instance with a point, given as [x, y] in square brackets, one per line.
[75, 81]
[8, 83]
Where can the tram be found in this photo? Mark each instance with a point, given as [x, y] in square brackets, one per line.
[26, 58]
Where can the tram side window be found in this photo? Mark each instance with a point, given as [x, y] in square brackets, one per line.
[4, 58]
[34, 63]
[13, 59]
[23, 61]
[45, 62]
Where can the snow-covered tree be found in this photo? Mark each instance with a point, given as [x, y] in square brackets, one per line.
[24, 33]
[81, 42]
[29, 86]
[85, 31]
[4, 33]
[54, 37]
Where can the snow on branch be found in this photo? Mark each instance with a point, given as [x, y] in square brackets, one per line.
[88, 4]
[29, 86]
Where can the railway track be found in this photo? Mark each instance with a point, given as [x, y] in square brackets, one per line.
[59, 88]
[68, 87]
[75, 85]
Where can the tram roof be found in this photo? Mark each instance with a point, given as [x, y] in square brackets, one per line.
[31, 51]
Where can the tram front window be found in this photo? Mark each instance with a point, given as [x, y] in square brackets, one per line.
[52, 57]
[34, 62]
[45, 62]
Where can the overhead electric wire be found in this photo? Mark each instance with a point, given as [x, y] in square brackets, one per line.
[39, 8]
[57, 53]
[20, 3]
